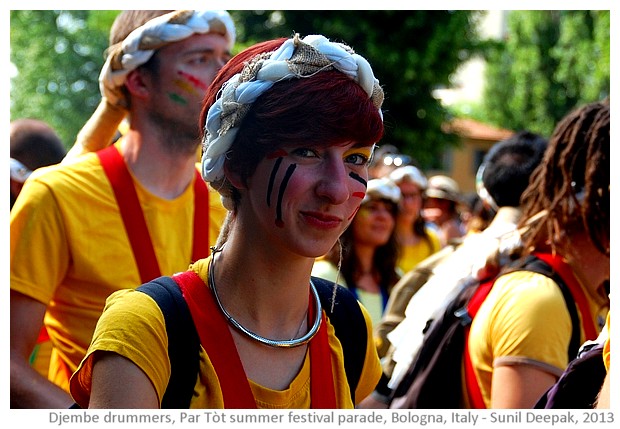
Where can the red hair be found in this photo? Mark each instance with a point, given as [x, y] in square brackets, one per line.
[325, 109]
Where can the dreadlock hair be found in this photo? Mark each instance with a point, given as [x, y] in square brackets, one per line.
[570, 189]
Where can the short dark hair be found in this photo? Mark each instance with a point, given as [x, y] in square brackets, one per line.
[509, 165]
[35, 144]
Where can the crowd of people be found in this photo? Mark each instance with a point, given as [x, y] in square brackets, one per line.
[309, 256]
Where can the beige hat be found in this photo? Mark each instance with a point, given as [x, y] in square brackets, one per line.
[410, 173]
[382, 188]
[443, 187]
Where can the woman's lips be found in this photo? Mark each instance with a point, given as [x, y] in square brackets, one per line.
[321, 220]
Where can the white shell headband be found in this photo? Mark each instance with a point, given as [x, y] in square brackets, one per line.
[296, 58]
[139, 46]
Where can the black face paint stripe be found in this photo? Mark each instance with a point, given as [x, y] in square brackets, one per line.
[358, 178]
[287, 176]
[272, 178]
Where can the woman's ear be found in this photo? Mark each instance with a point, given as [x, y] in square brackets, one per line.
[233, 177]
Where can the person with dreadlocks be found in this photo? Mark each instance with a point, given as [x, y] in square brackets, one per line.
[520, 337]
[116, 218]
[290, 126]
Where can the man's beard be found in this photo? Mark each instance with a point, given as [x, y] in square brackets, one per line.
[179, 137]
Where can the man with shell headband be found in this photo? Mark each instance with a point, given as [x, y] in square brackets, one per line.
[114, 218]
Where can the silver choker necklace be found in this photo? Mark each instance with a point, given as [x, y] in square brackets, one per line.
[269, 342]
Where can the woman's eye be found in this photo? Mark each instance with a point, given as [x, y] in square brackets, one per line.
[357, 159]
[304, 152]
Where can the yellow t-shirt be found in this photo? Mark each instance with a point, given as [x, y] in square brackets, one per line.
[606, 346]
[410, 256]
[70, 251]
[143, 340]
[523, 320]
[373, 302]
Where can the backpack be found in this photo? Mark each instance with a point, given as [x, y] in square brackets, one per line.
[580, 383]
[184, 343]
[435, 377]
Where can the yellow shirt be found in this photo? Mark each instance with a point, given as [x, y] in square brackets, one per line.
[373, 302]
[523, 320]
[70, 251]
[143, 340]
[410, 256]
[607, 345]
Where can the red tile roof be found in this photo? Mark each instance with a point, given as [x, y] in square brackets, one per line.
[473, 129]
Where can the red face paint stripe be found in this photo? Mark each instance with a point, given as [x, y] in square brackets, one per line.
[277, 154]
[358, 194]
[354, 213]
[194, 80]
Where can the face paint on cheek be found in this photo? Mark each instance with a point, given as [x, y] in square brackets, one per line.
[358, 178]
[359, 195]
[193, 80]
[272, 178]
[354, 212]
[289, 172]
[280, 153]
[177, 98]
[185, 87]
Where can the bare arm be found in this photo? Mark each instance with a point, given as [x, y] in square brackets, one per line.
[603, 396]
[119, 383]
[519, 386]
[28, 388]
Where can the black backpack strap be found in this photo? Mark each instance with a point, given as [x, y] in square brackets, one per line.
[348, 320]
[183, 341]
[537, 265]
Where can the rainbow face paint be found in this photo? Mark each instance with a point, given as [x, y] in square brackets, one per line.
[185, 87]
[193, 80]
[177, 98]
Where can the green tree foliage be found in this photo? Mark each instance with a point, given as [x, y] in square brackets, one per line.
[58, 55]
[412, 53]
[550, 63]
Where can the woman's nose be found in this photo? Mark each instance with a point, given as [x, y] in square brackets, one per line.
[335, 183]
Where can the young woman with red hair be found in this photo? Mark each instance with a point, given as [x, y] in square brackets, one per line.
[289, 128]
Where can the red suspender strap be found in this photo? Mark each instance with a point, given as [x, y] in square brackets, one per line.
[131, 212]
[557, 263]
[322, 392]
[566, 273]
[133, 218]
[218, 342]
[471, 383]
[200, 242]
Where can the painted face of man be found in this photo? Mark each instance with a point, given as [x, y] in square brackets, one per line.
[185, 71]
